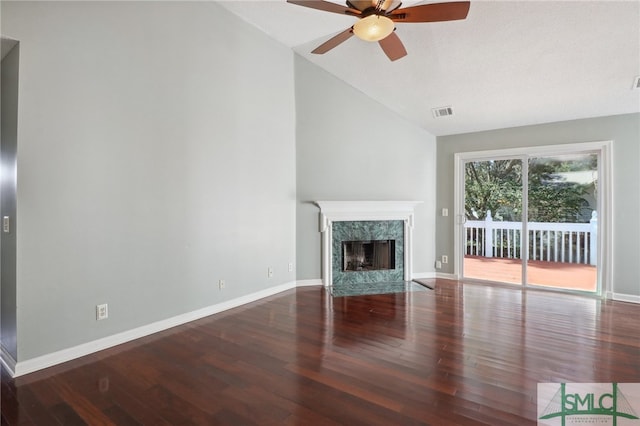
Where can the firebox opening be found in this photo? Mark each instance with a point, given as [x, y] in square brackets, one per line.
[368, 255]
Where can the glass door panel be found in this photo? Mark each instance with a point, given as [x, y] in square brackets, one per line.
[562, 221]
[493, 227]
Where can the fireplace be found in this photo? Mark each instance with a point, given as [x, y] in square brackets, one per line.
[366, 241]
[363, 237]
[373, 255]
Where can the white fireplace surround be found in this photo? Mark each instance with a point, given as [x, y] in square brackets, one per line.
[343, 211]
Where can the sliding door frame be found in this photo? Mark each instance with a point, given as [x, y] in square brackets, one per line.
[604, 204]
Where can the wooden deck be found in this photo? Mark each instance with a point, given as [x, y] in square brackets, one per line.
[569, 276]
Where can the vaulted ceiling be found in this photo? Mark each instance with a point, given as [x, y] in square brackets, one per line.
[510, 63]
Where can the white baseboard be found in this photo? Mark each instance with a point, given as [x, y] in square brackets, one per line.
[446, 276]
[623, 297]
[7, 360]
[30, 365]
[443, 275]
[421, 275]
[306, 283]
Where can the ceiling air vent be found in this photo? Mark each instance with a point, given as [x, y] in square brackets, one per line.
[442, 111]
[636, 83]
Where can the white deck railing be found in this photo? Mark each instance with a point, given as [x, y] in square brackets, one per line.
[553, 242]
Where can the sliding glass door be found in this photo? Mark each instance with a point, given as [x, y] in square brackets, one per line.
[493, 220]
[531, 219]
[563, 221]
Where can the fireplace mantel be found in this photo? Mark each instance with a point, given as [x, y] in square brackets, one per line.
[336, 211]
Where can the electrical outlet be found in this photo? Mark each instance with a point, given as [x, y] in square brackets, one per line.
[445, 259]
[438, 264]
[290, 267]
[102, 312]
[221, 284]
[269, 272]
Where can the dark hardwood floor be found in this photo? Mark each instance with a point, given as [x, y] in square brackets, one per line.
[462, 354]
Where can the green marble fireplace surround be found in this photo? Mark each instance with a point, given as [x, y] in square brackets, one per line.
[366, 221]
[367, 231]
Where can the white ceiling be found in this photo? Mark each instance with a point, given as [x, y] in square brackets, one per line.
[510, 63]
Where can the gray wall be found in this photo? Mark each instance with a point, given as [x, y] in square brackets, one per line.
[8, 150]
[157, 156]
[351, 148]
[624, 130]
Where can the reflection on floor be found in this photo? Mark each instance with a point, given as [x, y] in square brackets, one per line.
[358, 289]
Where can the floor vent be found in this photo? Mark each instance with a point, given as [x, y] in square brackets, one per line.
[442, 111]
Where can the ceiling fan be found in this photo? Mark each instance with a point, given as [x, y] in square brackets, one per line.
[377, 20]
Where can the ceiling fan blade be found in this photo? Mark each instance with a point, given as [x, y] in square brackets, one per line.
[333, 42]
[434, 12]
[393, 47]
[326, 6]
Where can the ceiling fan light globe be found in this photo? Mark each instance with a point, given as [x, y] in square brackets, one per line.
[373, 28]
